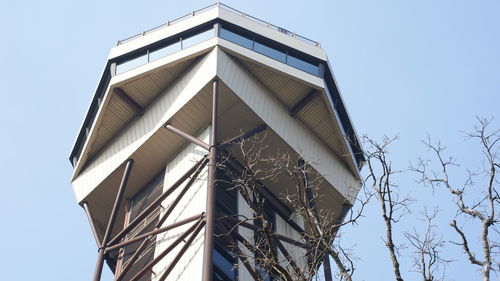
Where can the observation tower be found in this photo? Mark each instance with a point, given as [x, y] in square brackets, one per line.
[181, 161]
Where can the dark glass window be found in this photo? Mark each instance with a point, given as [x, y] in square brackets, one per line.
[165, 51]
[236, 38]
[159, 52]
[261, 48]
[223, 258]
[198, 38]
[303, 65]
[223, 263]
[130, 64]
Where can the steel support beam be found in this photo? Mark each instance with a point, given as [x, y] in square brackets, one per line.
[176, 242]
[159, 230]
[112, 219]
[129, 101]
[212, 174]
[243, 136]
[327, 268]
[133, 259]
[187, 136]
[180, 195]
[154, 232]
[92, 225]
[155, 203]
[303, 102]
[181, 252]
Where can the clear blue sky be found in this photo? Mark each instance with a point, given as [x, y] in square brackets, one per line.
[407, 67]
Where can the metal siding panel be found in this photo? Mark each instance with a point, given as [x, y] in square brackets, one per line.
[298, 254]
[309, 146]
[193, 202]
[129, 139]
[287, 90]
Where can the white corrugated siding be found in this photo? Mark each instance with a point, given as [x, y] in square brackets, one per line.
[298, 254]
[296, 134]
[193, 202]
[282, 227]
[141, 129]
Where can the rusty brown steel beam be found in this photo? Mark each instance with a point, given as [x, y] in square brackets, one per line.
[133, 259]
[181, 252]
[238, 237]
[152, 263]
[160, 222]
[155, 203]
[179, 196]
[121, 254]
[303, 102]
[155, 232]
[327, 268]
[212, 174]
[92, 225]
[129, 101]
[243, 136]
[112, 219]
[187, 136]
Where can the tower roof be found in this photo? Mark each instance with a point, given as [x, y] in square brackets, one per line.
[294, 69]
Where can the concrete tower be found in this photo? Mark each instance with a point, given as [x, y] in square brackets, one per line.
[168, 118]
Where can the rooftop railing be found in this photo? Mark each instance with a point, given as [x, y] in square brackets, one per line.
[221, 5]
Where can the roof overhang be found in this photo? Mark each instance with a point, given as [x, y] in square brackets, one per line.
[218, 12]
[99, 135]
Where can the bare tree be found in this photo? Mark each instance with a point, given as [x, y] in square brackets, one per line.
[475, 201]
[427, 247]
[393, 204]
[266, 254]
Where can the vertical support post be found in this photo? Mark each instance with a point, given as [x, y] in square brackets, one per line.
[212, 173]
[92, 225]
[327, 268]
[112, 219]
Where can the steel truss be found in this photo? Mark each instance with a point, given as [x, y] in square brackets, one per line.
[205, 220]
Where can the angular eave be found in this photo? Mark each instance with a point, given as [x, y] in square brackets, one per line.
[338, 132]
[140, 86]
[292, 87]
[245, 102]
[217, 12]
